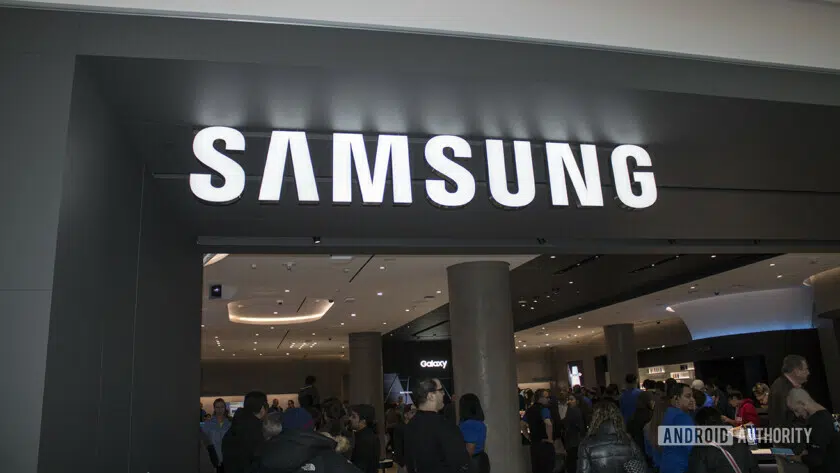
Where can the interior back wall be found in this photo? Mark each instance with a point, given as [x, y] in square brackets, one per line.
[219, 378]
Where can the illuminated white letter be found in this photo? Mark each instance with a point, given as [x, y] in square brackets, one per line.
[464, 181]
[497, 175]
[230, 170]
[349, 147]
[587, 189]
[623, 184]
[275, 166]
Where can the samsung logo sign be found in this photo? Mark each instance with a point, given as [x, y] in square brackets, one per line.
[453, 187]
[434, 364]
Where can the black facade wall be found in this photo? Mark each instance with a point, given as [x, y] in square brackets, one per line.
[228, 378]
[404, 359]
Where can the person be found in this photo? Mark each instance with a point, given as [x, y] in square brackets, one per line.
[649, 385]
[584, 403]
[574, 429]
[521, 397]
[275, 406]
[392, 418]
[203, 412]
[642, 415]
[794, 374]
[716, 459]
[433, 444]
[627, 400]
[208, 462]
[290, 404]
[607, 447]
[672, 411]
[541, 433]
[471, 423]
[215, 429]
[822, 453]
[745, 412]
[291, 446]
[366, 442]
[612, 394]
[398, 441]
[245, 436]
[762, 394]
[699, 385]
[699, 400]
[661, 388]
[308, 394]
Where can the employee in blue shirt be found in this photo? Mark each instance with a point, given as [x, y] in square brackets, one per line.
[474, 432]
[627, 402]
[677, 406]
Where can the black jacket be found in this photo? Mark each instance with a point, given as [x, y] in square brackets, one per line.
[241, 442]
[573, 427]
[636, 428]
[434, 445]
[607, 451]
[398, 443]
[298, 451]
[711, 460]
[366, 450]
[780, 415]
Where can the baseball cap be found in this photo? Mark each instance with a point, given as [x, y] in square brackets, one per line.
[298, 419]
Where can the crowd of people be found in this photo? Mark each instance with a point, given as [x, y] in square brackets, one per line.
[335, 437]
[612, 431]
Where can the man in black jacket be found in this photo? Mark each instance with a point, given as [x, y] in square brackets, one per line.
[822, 452]
[541, 433]
[794, 374]
[296, 448]
[433, 444]
[241, 442]
[711, 459]
[366, 447]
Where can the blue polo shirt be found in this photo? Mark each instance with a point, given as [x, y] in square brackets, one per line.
[474, 431]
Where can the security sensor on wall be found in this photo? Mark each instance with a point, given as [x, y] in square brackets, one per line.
[221, 291]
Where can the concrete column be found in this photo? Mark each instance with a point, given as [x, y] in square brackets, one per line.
[366, 374]
[483, 356]
[621, 352]
[826, 287]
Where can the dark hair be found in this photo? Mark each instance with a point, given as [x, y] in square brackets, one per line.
[577, 389]
[676, 390]
[540, 393]
[660, 386]
[699, 397]
[669, 382]
[607, 413]
[470, 408]
[735, 394]
[649, 384]
[255, 401]
[656, 420]
[612, 390]
[423, 389]
[631, 378]
[309, 380]
[792, 362]
[708, 416]
[333, 409]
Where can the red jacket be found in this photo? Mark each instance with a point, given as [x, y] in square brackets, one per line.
[746, 413]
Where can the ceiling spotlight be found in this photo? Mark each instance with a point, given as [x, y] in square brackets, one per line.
[384, 323]
[524, 345]
[255, 343]
[217, 336]
[772, 264]
[693, 287]
[575, 335]
[223, 349]
[258, 335]
[342, 323]
[378, 293]
[663, 346]
[272, 328]
[234, 354]
[287, 290]
[316, 240]
[352, 315]
[287, 354]
[779, 277]
[546, 335]
[571, 282]
[342, 347]
[255, 349]
[580, 318]
[275, 313]
[714, 256]
[532, 307]
[408, 310]
[553, 257]
[313, 334]
[439, 292]
[670, 309]
[578, 326]
[202, 325]
[382, 268]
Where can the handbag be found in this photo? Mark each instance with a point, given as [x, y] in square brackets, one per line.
[729, 458]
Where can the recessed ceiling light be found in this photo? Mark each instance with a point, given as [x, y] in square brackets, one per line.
[546, 335]
[342, 323]
[255, 343]
[287, 290]
[223, 349]
[669, 309]
[260, 354]
[234, 354]
[524, 345]
[578, 326]
[408, 310]
[342, 347]
[352, 315]
[378, 293]
[313, 334]
[384, 323]
[779, 276]
[272, 328]
[258, 335]
[532, 308]
[693, 287]
[663, 346]
[714, 256]
[575, 335]
[202, 325]
[553, 257]
[571, 282]
[439, 292]
[580, 318]
[382, 268]
[275, 313]
[772, 264]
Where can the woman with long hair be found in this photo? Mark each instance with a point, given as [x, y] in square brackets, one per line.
[215, 429]
[474, 431]
[607, 447]
[672, 411]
